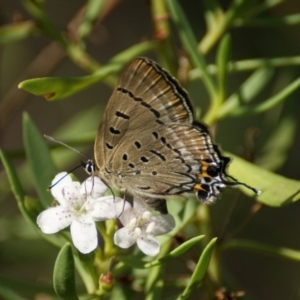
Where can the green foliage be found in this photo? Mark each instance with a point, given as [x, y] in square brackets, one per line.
[191, 258]
[64, 274]
[276, 190]
[199, 271]
[38, 157]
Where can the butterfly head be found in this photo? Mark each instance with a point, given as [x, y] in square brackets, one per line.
[213, 178]
[89, 166]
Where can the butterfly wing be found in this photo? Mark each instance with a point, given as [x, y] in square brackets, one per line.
[146, 95]
[174, 160]
[147, 143]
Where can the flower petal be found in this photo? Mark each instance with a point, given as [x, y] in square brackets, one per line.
[93, 185]
[125, 238]
[84, 235]
[140, 205]
[163, 224]
[54, 219]
[73, 197]
[58, 183]
[127, 215]
[109, 207]
[148, 245]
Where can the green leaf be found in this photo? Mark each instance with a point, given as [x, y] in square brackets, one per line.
[252, 86]
[134, 261]
[184, 217]
[154, 283]
[13, 179]
[189, 42]
[275, 148]
[16, 31]
[223, 57]
[28, 206]
[9, 293]
[64, 274]
[276, 190]
[200, 270]
[289, 20]
[42, 20]
[92, 11]
[176, 252]
[38, 157]
[270, 102]
[56, 88]
[17, 188]
[85, 268]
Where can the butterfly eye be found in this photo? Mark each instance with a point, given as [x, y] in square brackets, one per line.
[89, 167]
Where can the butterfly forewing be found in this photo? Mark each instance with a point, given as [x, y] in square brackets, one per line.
[145, 97]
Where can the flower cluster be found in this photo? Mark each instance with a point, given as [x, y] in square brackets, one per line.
[80, 206]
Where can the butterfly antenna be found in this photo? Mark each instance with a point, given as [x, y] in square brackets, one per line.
[256, 191]
[111, 192]
[54, 184]
[88, 166]
[50, 138]
[124, 202]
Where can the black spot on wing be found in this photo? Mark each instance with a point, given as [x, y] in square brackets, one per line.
[122, 115]
[138, 145]
[109, 146]
[144, 159]
[158, 154]
[114, 131]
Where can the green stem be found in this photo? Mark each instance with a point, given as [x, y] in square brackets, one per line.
[269, 103]
[263, 249]
[249, 65]
[189, 42]
[161, 23]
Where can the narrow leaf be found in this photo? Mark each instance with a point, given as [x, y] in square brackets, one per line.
[16, 187]
[276, 190]
[252, 86]
[223, 57]
[13, 179]
[270, 102]
[200, 270]
[176, 252]
[275, 149]
[92, 12]
[29, 207]
[38, 157]
[56, 88]
[84, 264]
[16, 31]
[64, 274]
[189, 42]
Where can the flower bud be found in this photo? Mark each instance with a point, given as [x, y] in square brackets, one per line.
[106, 282]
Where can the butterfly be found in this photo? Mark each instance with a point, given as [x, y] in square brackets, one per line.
[148, 143]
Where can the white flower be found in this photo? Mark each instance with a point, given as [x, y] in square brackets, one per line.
[80, 206]
[141, 226]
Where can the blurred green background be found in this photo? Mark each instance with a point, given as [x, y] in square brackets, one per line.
[26, 257]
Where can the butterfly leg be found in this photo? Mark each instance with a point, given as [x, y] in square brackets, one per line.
[158, 204]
